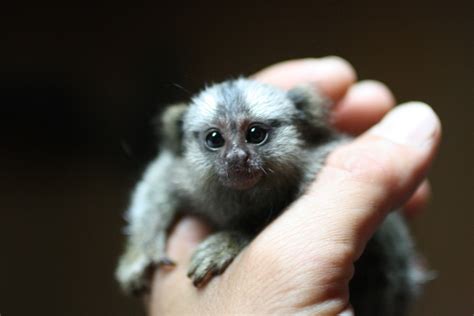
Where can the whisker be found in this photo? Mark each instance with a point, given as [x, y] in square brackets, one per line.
[174, 84]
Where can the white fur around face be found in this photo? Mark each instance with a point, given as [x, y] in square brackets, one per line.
[207, 102]
[265, 101]
[262, 101]
[202, 107]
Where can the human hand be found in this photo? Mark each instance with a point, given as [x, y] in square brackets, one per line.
[303, 261]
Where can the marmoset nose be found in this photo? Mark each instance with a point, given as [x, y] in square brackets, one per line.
[237, 156]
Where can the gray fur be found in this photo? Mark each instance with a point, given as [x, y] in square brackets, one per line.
[240, 187]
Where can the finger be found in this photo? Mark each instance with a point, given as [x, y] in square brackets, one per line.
[364, 105]
[170, 286]
[418, 201]
[380, 170]
[360, 183]
[331, 75]
[185, 237]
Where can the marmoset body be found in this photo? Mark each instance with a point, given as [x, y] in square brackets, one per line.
[239, 154]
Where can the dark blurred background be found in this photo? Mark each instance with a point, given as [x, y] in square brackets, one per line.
[79, 86]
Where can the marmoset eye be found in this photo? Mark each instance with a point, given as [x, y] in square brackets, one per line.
[214, 140]
[256, 134]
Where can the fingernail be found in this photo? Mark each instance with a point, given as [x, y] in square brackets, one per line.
[332, 74]
[347, 312]
[413, 124]
[334, 65]
[373, 89]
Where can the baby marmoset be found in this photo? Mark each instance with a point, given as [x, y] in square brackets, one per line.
[238, 154]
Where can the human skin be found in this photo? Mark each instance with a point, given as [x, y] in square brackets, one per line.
[303, 261]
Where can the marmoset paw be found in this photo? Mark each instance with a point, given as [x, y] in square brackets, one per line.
[213, 256]
[206, 263]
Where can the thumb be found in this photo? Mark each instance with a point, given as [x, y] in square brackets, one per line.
[182, 241]
[185, 237]
[168, 285]
[326, 230]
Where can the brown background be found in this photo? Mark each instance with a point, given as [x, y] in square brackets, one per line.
[78, 87]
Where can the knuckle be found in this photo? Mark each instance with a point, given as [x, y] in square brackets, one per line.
[339, 255]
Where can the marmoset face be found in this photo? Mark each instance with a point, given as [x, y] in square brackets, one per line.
[241, 131]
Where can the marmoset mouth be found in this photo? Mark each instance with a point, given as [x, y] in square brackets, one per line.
[241, 180]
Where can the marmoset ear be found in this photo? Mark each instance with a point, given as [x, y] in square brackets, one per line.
[313, 109]
[170, 127]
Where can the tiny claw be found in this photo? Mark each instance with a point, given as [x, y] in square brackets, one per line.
[199, 282]
[167, 262]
